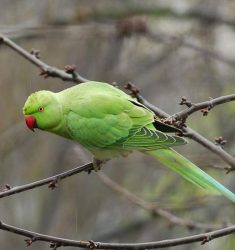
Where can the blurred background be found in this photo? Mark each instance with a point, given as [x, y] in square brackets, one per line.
[168, 49]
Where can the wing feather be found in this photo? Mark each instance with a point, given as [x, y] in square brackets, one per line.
[106, 121]
[149, 139]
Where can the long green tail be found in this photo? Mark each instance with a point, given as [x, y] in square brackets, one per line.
[189, 171]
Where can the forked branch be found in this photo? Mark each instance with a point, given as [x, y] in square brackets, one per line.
[203, 106]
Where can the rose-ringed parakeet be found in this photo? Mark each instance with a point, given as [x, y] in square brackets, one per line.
[110, 123]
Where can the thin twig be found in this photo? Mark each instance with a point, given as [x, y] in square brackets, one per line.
[203, 105]
[155, 209]
[50, 180]
[46, 70]
[33, 237]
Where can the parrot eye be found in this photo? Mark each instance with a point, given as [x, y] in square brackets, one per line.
[40, 109]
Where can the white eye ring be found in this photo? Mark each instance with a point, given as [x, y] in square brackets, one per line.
[40, 109]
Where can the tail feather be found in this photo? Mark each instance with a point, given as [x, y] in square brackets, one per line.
[189, 171]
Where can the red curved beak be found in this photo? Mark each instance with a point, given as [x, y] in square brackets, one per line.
[30, 122]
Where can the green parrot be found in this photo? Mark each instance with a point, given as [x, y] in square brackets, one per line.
[110, 123]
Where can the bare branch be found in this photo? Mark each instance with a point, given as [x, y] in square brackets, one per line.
[51, 181]
[46, 70]
[155, 209]
[33, 237]
[203, 105]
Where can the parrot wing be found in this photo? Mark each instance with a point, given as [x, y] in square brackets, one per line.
[146, 139]
[102, 121]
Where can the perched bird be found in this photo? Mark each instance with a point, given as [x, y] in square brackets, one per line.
[110, 123]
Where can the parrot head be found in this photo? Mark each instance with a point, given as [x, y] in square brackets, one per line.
[42, 111]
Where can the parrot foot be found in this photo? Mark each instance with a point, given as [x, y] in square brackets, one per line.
[97, 164]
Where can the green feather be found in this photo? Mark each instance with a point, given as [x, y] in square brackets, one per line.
[189, 171]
